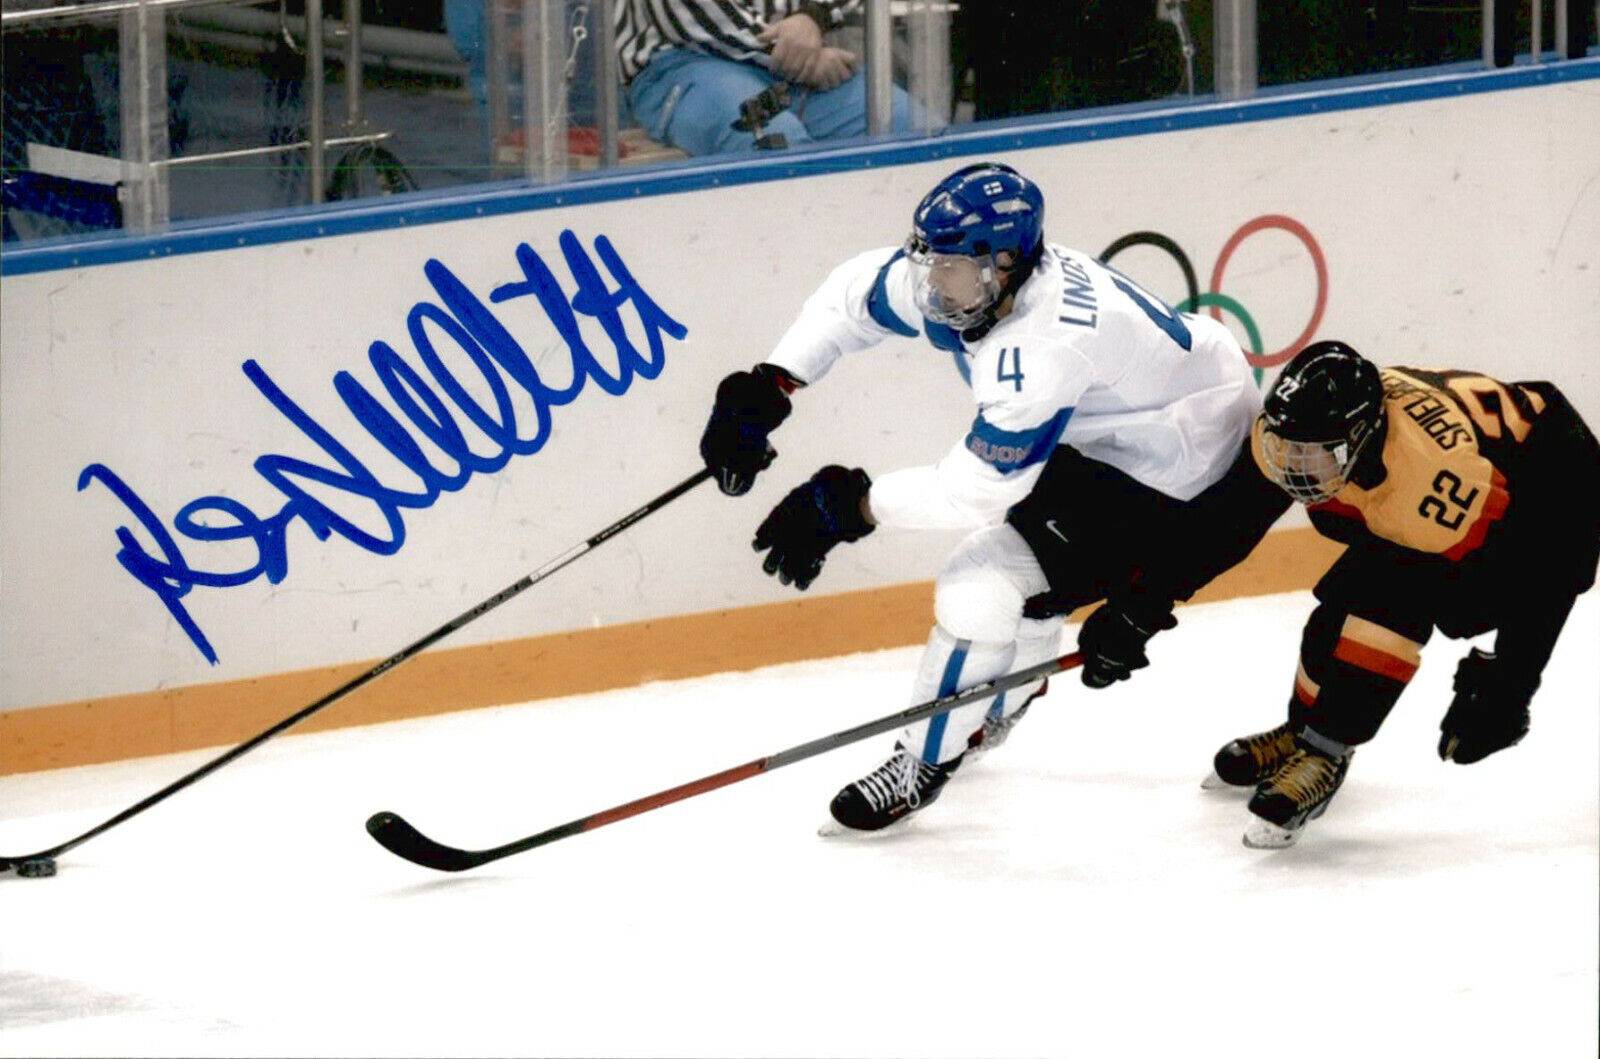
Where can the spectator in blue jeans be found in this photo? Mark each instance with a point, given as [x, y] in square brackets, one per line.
[690, 64]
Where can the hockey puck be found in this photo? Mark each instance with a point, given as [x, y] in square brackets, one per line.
[37, 868]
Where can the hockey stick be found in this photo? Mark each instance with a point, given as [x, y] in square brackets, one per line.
[43, 862]
[400, 838]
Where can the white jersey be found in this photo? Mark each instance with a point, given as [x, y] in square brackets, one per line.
[1085, 358]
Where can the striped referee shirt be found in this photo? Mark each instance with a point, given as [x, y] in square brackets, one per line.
[713, 27]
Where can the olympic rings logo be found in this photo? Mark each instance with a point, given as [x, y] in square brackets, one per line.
[1217, 302]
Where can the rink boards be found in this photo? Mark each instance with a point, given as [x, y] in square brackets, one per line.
[244, 461]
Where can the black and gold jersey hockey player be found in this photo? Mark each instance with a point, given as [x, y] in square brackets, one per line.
[1456, 447]
[1468, 504]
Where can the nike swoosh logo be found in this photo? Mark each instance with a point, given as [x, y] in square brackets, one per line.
[1050, 524]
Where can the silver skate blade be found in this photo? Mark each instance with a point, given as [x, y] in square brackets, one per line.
[1264, 834]
[831, 828]
[1215, 782]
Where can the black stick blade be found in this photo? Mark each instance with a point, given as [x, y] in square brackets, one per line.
[398, 837]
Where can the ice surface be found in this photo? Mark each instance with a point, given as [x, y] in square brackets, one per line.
[1075, 893]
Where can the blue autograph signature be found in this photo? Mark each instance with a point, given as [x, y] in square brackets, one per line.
[476, 330]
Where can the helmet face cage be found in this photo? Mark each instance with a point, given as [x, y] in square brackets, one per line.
[1312, 471]
[956, 290]
[1318, 417]
[976, 223]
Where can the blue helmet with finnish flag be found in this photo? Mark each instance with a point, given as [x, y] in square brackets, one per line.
[974, 238]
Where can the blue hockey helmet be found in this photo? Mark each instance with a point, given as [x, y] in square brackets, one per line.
[978, 222]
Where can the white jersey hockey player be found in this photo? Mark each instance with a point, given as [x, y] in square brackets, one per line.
[1104, 461]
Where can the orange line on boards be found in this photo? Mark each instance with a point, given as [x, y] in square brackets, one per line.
[541, 667]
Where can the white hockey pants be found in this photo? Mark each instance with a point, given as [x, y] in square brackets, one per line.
[980, 634]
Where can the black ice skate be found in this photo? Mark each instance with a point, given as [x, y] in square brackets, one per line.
[997, 730]
[1297, 793]
[1250, 760]
[889, 793]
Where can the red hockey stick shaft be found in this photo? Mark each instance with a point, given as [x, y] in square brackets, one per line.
[403, 840]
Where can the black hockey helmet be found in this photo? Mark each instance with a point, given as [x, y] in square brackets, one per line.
[1318, 419]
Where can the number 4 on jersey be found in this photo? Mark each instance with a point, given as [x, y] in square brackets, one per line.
[1015, 375]
[1159, 312]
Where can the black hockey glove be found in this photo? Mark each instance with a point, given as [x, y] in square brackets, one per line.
[1113, 637]
[814, 517]
[749, 406]
[1489, 711]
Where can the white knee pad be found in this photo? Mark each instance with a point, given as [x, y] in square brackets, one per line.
[980, 635]
[980, 593]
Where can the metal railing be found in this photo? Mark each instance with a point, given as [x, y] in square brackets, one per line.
[543, 44]
[46, 13]
[142, 59]
[1499, 25]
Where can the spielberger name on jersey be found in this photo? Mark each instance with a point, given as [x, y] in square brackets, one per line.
[1443, 487]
